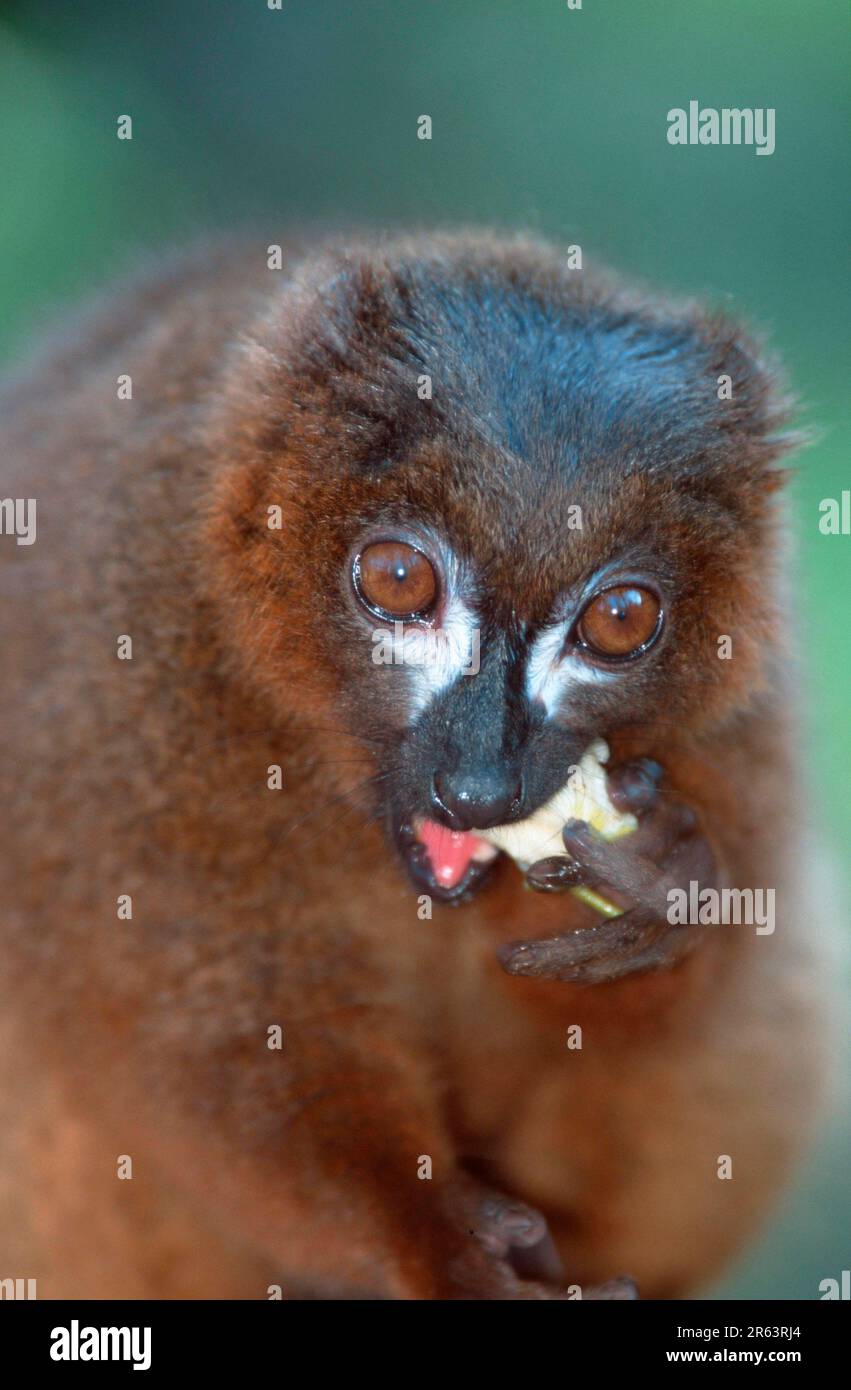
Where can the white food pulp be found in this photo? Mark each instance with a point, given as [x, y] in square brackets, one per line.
[583, 797]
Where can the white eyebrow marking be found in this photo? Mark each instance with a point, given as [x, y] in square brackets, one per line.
[434, 657]
[549, 674]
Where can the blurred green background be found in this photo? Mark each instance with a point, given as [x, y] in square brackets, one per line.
[544, 118]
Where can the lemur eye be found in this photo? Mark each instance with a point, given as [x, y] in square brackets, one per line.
[620, 622]
[395, 580]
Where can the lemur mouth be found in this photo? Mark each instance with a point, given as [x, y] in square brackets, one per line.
[447, 864]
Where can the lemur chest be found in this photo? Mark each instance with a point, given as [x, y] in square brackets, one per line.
[519, 1050]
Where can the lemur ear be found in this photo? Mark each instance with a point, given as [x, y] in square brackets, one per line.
[333, 346]
[347, 305]
[755, 409]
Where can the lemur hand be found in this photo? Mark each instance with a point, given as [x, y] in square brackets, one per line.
[669, 850]
[510, 1253]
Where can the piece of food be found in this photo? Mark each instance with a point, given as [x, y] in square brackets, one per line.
[583, 797]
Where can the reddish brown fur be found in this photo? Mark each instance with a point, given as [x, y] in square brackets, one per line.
[402, 1037]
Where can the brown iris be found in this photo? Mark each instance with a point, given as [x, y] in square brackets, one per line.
[620, 622]
[395, 580]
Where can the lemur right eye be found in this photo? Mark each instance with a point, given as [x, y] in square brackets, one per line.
[395, 580]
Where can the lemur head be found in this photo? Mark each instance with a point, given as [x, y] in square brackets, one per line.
[478, 508]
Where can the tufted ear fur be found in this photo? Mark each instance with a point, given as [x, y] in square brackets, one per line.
[756, 411]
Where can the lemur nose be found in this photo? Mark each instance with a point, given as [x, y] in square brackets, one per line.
[475, 800]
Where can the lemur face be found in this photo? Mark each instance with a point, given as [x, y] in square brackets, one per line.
[492, 695]
[517, 515]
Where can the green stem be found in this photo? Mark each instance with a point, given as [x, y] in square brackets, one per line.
[599, 904]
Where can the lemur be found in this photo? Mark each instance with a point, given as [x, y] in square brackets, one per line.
[258, 953]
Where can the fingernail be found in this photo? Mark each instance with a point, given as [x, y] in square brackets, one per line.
[552, 875]
[641, 783]
[580, 832]
[634, 787]
[515, 957]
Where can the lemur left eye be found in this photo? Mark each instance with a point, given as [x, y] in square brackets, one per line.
[395, 580]
[620, 622]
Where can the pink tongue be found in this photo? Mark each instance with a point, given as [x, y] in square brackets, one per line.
[450, 851]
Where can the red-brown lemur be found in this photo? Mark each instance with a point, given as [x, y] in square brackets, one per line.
[337, 571]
